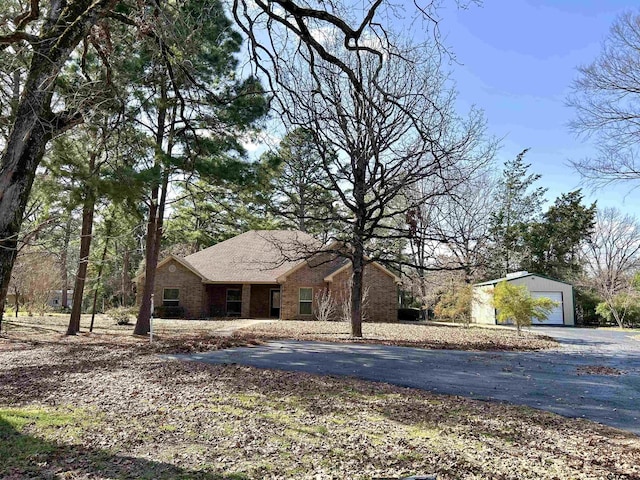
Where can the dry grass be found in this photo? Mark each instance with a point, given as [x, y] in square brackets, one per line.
[410, 335]
[57, 324]
[51, 328]
[112, 410]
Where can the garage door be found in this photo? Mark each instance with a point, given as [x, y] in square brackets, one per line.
[556, 316]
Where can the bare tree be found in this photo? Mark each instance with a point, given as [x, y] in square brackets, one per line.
[606, 97]
[378, 143]
[612, 256]
[34, 279]
[43, 35]
[451, 232]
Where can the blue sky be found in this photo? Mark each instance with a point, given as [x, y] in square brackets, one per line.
[517, 59]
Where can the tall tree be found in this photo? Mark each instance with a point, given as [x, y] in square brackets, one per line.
[43, 35]
[207, 213]
[91, 165]
[606, 100]
[554, 245]
[302, 189]
[518, 203]
[377, 143]
[452, 232]
[188, 98]
[612, 257]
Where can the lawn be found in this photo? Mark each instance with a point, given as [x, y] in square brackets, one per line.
[99, 408]
[402, 334]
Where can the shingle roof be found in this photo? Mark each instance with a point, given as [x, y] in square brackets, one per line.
[257, 256]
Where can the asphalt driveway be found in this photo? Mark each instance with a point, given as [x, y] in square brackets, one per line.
[566, 381]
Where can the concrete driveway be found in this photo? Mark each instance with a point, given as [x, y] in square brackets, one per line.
[560, 381]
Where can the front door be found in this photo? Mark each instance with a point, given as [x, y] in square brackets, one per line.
[274, 303]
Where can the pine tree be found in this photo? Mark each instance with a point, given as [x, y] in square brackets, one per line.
[519, 203]
[207, 214]
[188, 100]
[302, 190]
[553, 245]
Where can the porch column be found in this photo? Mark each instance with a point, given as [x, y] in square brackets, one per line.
[246, 301]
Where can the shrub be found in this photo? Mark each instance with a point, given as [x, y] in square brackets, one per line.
[455, 305]
[325, 306]
[514, 302]
[120, 315]
[169, 312]
[586, 303]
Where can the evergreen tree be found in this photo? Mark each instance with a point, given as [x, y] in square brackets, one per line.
[518, 204]
[188, 100]
[91, 164]
[302, 190]
[553, 245]
[207, 214]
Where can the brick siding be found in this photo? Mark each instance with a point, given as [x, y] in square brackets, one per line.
[192, 294]
[198, 299]
[382, 299]
[261, 301]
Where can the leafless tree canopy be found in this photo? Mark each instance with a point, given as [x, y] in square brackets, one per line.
[606, 100]
[612, 257]
[613, 254]
[380, 143]
[381, 113]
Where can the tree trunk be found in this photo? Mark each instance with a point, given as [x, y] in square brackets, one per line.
[155, 223]
[63, 261]
[356, 292]
[85, 248]
[126, 281]
[100, 267]
[25, 148]
[34, 124]
[143, 323]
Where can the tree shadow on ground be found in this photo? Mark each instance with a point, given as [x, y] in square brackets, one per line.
[469, 418]
[27, 456]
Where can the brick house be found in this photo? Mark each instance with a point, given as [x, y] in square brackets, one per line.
[256, 275]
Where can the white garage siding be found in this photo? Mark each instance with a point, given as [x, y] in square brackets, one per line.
[482, 312]
[556, 317]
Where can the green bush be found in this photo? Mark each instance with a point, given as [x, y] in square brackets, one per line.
[586, 303]
[627, 306]
[515, 303]
[120, 315]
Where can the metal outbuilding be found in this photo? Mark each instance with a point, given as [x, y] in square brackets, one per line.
[483, 311]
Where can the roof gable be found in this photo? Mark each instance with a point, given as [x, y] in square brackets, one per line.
[329, 278]
[180, 261]
[517, 277]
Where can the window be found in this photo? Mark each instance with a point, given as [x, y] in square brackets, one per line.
[234, 302]
[306, 300]
[171, 297]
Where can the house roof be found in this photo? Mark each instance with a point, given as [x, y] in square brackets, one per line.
[515, 276]
[257, 256]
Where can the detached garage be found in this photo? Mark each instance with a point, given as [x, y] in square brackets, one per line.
[482, 310]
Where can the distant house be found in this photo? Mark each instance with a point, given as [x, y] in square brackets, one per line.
[55, 299]
[482, 310]
[261, 274]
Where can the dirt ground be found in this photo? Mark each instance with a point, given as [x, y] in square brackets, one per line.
[106, 405]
